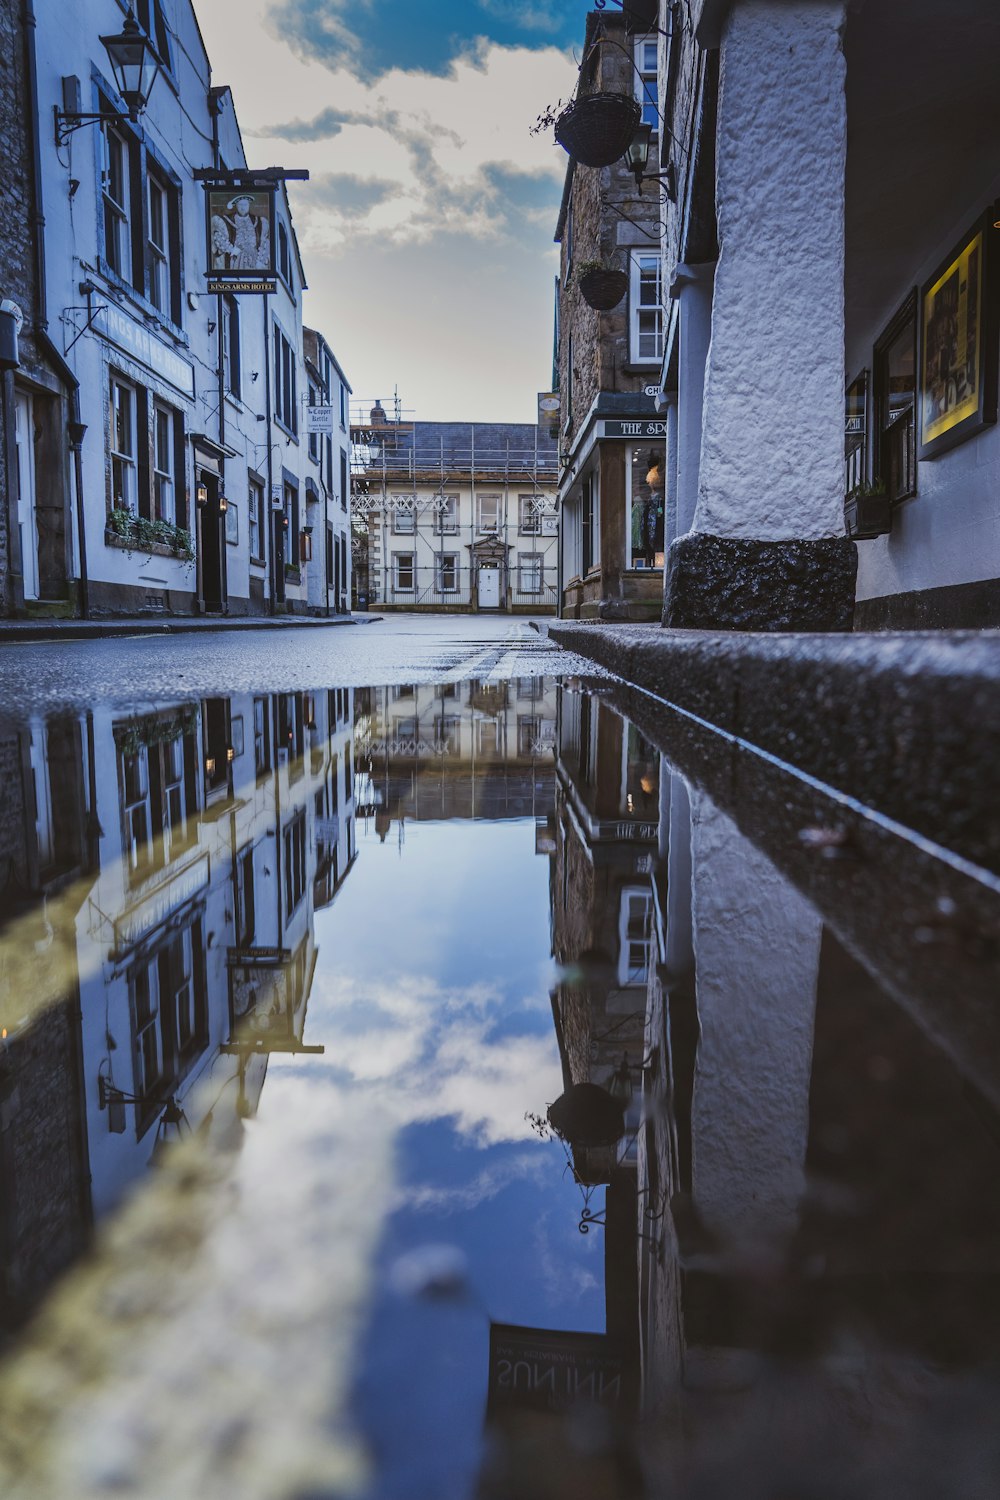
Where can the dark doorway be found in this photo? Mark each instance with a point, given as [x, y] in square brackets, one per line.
[213, 547]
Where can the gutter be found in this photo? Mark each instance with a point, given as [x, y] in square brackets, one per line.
[77, 428]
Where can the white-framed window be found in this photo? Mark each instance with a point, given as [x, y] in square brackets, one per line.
[489, 512]
[124, 446]
[634, 936]
[645, 80]
[447, 734]
[255, 510]
[161, 272]
[530, 572]
[445, 514]
[446, 572]
[489, 736]
[402, 571]
[164, 464]
[149, 14]
[404, 516]
[284, 257]
[645, 308]
[529, 514]
[116, 185]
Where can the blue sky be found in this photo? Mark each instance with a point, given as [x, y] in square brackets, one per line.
[427, 225]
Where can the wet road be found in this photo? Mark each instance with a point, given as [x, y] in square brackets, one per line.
[37, 677]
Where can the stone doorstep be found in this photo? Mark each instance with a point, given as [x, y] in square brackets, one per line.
[908, 723]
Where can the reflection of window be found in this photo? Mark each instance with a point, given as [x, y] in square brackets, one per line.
[894, 376]
[642, 777]
[634, 934]
[403, 576]
[291, 732]
[295, 862]
[488, 737]
[261, 737]
[215, 720]
[645, 81]
[446, 734]
[246, 913]
[645, 308]
[856, 433]
[403, 690]
[530, 687]
[489, 512]
[404, 729]
[528, 731]
[169, 1019]
[446, 572]
[158, 796]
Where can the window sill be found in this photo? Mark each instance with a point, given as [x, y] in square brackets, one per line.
[286, 430]
[257, 562]
[148, 549]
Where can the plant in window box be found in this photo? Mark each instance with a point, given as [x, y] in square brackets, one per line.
[140, 532]
[601, 285]
[867, 511]
[594, 129]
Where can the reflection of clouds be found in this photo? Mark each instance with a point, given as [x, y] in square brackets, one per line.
[423, 1052]
[561, 1277]
[532, 1166]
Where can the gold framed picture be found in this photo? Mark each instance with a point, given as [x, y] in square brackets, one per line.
[958, 344]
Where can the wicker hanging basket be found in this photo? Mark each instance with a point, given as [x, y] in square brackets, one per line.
[598, 129]
[602, 289]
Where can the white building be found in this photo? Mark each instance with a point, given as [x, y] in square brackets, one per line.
[194, 463]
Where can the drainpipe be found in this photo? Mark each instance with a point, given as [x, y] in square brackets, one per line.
[269, 547]
[77, 428]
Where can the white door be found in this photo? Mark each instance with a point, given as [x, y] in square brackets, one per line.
[489, 587]
[25, 438]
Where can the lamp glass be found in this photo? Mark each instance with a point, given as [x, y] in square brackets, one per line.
[134, 63]
[637, 155]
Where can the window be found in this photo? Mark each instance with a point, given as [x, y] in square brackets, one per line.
[343, 403]
[529, 729]
[645, 478]
[291, 516]
[895, 366]
[344, 486]
[159, 245]
[295, 863]
[149, 14]
[403, 571]
[530, 572]
[634, 936]
[285, 378]
[489, 736]
[646, 309]
[645, 81]
[445, 514]
[856, 433]
[489, 512]
[284, 257]
[404, 515]
[231, 359]
[156, 781]
[447, 734]
[261, 736]
[529, 513]
[291, 732]
[164, 463]
[588, 502]
[446, 573]
[124, 447]
[119, 170]
[255, 511]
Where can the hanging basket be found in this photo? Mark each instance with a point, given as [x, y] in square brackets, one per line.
[640, 15]
[598, 129]
[603, 290]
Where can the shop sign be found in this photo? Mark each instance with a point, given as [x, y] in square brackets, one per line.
[545, 1369]
[159, 907]
[641, 429]
[147, 350]
[319, 419]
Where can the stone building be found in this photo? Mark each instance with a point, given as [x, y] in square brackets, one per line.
[611, 485]
[186, 488]
[456, 516]
[822, 208]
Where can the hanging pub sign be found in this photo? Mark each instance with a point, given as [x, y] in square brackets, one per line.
[958, 343]
[240, 222]
[319, 419]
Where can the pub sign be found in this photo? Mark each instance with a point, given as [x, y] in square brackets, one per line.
[240, 222]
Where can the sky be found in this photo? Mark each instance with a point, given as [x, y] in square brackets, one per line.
[426, 227]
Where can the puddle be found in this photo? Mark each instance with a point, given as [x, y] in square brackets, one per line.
[289, 984]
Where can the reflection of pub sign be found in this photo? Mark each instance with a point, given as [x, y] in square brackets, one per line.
[547, 1369]
[240, 237]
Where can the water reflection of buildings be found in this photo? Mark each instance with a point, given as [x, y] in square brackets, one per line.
[458, 750]
[162, 873]
[802, 1199]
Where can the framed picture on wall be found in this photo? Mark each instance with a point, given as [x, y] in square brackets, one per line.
[232, 525]
[958, 343]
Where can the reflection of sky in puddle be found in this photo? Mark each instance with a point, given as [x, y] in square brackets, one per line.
[432, 998]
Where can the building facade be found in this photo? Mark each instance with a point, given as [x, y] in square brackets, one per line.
[171, 474]
[454, 516]
[612, 437]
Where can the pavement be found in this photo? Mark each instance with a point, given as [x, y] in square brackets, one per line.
[14, 631]
[907, 722]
